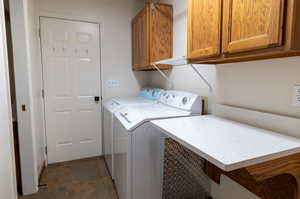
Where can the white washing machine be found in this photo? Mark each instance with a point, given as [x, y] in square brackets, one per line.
[145, 96]
[138, 146]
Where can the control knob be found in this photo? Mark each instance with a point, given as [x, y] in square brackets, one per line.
[184, 100]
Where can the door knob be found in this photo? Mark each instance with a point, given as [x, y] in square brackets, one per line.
[97, 99]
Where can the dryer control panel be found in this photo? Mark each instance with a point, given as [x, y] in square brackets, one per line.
[182, 100]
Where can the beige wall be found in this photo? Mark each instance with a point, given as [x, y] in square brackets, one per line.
[260, 85]
[115, 18]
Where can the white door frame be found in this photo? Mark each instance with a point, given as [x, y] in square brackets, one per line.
[21, 51]
[8, 187]
[48, 15]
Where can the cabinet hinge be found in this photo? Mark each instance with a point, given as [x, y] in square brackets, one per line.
[40, 33]
[43, 93]
[46, 150]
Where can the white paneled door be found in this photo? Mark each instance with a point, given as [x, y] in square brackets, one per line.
[72, 83]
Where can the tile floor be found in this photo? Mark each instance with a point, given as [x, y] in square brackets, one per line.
[80, 179]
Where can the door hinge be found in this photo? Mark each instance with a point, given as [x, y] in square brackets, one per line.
[40, 33]
[46, 150]
[43, 93]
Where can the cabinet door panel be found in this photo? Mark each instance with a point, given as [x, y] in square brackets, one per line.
[140, 39]
[161, 33]
[204, 28]
[252, 24]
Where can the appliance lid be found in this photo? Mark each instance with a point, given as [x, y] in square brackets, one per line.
[111, 105]
[130, 115]
[134, 116]
[132, 100]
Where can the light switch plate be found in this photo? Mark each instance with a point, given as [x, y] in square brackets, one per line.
[296, 95]
[112, 84]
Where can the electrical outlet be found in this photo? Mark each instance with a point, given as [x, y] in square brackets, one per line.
[296, 95]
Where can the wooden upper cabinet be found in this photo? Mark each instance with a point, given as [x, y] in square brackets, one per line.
[152, 32]
[251, 30]
[204, 28]
[140, 36]
[252, 24]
